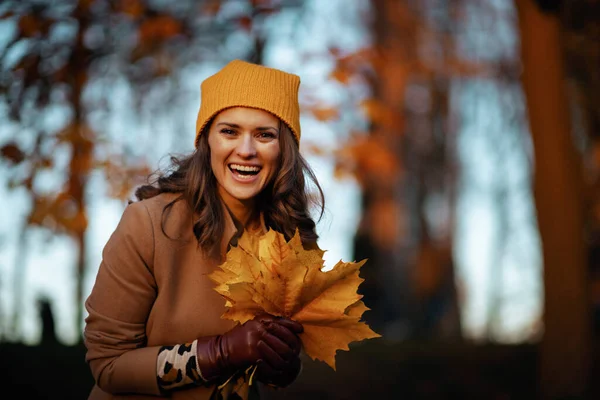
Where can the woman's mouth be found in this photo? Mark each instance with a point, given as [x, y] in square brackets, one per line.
[244, 172]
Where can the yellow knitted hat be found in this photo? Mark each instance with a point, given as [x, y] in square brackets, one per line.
[243, 84]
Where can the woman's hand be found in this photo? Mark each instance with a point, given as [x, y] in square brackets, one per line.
[269, 342]
[280, 364]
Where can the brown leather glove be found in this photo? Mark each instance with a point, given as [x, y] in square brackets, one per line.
[267, 341]
[285, 366]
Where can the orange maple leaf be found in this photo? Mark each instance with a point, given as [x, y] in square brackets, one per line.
[269, 274]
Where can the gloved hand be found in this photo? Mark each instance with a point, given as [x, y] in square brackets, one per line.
[267, 341]
[286, 366]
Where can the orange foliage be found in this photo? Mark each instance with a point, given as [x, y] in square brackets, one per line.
[60, 214]
[381, 113]
[268, 274]
[159, 28]
[429, 270]
[133, 8]
[316, 149]
[122, 177]
[367, 157]
[341, 75]
[81, 138]
[325, 113]
[352, 65]
[385, 219]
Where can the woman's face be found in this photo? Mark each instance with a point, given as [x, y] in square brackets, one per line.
[244, 151]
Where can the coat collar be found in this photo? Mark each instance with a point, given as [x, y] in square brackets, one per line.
[233, 229]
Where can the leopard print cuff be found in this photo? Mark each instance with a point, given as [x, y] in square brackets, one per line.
[177, 366]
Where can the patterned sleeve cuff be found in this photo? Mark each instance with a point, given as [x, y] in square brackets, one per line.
[177, 366]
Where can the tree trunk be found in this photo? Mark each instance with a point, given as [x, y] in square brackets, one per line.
[565, 347]
[409, 281]
[81, 156]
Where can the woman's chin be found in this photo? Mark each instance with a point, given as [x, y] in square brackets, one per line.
[244, 194]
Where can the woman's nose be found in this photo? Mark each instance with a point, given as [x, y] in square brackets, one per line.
[246, 147]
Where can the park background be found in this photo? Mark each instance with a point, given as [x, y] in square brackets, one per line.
[456, 142]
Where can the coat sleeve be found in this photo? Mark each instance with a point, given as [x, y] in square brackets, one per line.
[118, 308]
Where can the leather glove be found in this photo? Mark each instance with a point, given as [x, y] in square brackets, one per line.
[264, 338]
[284, 366]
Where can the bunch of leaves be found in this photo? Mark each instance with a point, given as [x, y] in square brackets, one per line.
[269, 274]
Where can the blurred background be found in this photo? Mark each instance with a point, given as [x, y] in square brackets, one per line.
[457, 143]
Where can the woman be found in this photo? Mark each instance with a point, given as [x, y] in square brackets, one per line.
[154, 326]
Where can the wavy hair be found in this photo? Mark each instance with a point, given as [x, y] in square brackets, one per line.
[285, 201]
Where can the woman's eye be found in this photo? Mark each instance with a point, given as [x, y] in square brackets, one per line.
[266, 135]
[227, 131]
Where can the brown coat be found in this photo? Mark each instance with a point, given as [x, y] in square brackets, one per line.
[151, 290]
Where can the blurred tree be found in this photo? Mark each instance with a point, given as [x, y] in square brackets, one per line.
[68, 57]
[563, 123]
[405, 163]
[422, 62]
[580, 24]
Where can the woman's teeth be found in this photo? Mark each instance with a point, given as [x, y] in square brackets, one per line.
[244, 171]
[247, 168]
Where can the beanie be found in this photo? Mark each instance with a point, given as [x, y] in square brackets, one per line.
[243, 84]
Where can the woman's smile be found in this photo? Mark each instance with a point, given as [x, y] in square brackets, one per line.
[245, 173]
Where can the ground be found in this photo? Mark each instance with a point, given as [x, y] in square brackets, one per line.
[372, 369]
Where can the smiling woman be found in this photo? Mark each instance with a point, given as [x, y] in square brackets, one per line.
[154, 326]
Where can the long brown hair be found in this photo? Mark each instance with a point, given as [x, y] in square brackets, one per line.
[285, 201]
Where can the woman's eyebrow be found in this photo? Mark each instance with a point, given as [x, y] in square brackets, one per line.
[228, 124]
[259, 128]
[264, 128]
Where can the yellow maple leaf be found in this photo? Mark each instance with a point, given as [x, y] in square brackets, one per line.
[269, 274]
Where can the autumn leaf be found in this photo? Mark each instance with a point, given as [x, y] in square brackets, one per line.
[269, 274]
[325, 114]
[341, 75]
